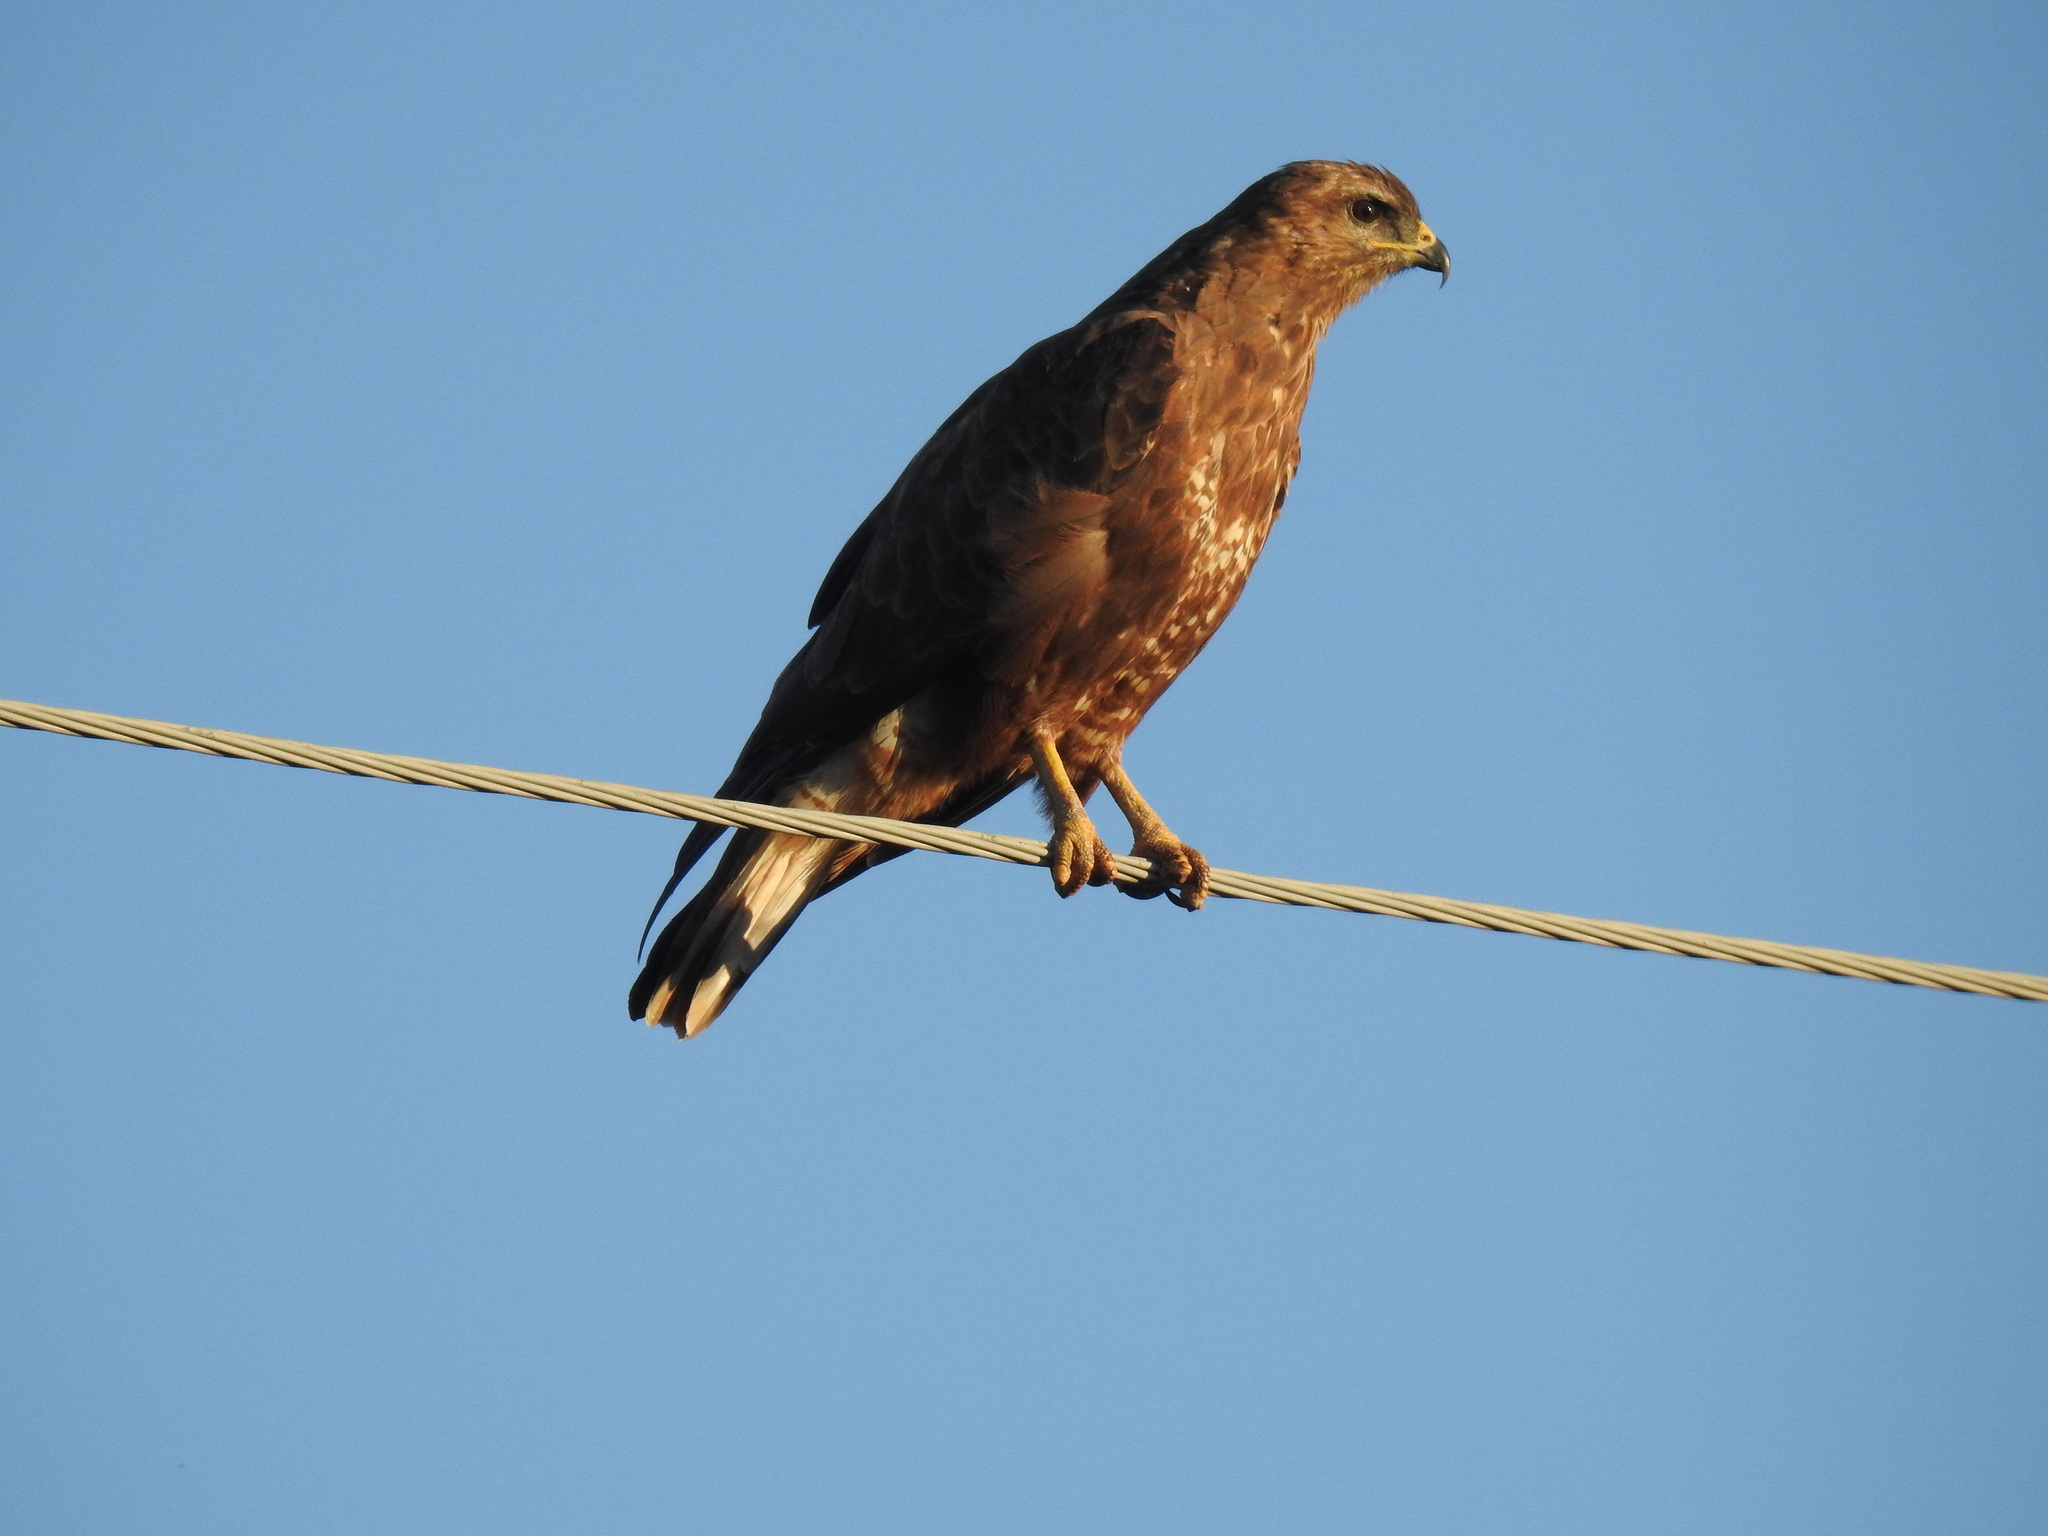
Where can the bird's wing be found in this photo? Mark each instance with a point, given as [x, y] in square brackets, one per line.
[996, 520]
[999, 515]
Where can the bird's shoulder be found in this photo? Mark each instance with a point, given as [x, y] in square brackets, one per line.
[996, 519]
[1068, 420]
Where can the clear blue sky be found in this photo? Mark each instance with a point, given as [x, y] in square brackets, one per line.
[495, 383]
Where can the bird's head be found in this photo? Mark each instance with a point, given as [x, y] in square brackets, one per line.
[1331, 230]
[1356, 224]
[1314, 237]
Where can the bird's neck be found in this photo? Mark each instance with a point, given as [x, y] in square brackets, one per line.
[1239, 277]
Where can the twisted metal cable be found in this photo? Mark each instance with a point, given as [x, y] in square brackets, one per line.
[1015, 850]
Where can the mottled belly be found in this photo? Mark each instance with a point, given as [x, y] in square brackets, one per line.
[1096, 706]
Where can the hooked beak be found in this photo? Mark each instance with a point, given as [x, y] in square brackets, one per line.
[1432, 257]
[1427, 253]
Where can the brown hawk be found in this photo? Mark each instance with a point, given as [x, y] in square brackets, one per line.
[1044, 567]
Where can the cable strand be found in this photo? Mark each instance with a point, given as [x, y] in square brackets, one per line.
[1014, 850]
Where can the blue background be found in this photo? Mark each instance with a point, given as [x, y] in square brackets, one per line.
[495, 383]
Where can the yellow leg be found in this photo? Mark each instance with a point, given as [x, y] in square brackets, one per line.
[1179, 873]
[1077, 854]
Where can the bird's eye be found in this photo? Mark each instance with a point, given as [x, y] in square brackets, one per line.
[1367, 209]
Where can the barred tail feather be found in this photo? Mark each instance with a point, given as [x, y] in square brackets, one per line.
[714, 943]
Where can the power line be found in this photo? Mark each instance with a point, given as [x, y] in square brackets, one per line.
[1015, 850]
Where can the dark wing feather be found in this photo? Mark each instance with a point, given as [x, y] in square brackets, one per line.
[695, 846]
[844, 564]
[992, 518]
[995, 519]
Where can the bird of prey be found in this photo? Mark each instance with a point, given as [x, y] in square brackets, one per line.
[1045, 566]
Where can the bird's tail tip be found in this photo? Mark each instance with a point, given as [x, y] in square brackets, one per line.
[726, 930]
[690, 1016]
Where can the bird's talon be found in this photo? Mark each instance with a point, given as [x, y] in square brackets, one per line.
[1078, 857]
[1179, 873]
